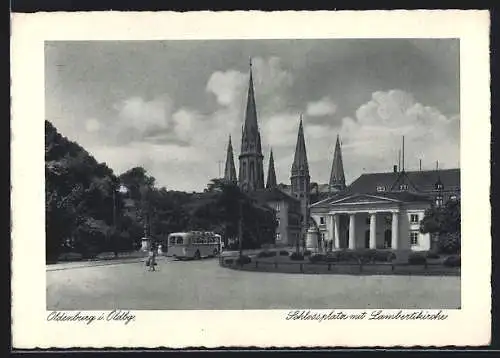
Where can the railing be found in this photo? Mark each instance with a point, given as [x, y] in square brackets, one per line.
[342, 267]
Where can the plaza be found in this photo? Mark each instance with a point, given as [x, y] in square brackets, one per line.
[204, 285]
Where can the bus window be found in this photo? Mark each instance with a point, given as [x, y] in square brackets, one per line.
[172, 240]
[180, 240]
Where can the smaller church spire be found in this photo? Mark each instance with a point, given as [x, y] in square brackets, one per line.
[300, 159]
[337, 178]
[271, 173]
[230, 170]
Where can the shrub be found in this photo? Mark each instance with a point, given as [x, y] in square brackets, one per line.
[228, 261]
[417, 259]
[432, 255]
[449, 243]
[70, 256]
[452, 261]
[284, 253]
[376, 255]
[296, 257]
[345, 256]
[243, 260]
[307, 252]
[317, 258]
[266, 253]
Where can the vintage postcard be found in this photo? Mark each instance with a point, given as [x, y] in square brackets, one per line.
[237, 179]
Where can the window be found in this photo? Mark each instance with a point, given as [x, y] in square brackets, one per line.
[279, 222]
[180, 240]
[278, 236]
[322, 236]
[278, 206]
[380, 188]
[322, 220]
[414, 238]
[453, 197]
[414, 218]
[403, 187]
[172, 240]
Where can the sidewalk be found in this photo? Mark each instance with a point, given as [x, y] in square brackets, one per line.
[95, 263]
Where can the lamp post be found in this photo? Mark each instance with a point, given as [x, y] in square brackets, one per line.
[240, 230]
[122, 189]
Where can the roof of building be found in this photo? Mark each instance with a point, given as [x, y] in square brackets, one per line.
[271, 194]
[401, 196]
[423, 181]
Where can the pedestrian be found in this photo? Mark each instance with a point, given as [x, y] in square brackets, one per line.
[152, 258]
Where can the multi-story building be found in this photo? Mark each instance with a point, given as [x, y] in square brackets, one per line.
[378, 210]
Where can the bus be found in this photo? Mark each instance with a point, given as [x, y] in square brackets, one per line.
[193, 244]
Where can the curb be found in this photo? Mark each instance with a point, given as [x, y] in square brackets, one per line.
[96, 264]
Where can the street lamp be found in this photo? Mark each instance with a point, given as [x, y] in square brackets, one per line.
[122, 189]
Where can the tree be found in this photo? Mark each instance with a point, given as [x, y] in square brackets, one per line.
[80, 200]
[444, 223]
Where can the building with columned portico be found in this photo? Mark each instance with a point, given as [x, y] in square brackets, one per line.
[377, 210]
[382, 210]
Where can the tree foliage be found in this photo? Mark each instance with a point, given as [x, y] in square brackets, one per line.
[86, 213]
[444, 223]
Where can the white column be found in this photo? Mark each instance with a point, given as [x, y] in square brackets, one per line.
[373, 230]
[352, 231]
[329, 227]
[336, 232]
[395, 230]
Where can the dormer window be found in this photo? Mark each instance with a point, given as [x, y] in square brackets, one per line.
[403, 187]
[380, 188]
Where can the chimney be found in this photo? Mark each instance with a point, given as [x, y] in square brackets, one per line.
[395, 169]
[420, 165]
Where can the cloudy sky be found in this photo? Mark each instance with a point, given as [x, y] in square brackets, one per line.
[170, 106]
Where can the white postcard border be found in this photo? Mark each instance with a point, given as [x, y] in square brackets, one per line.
[264, 328]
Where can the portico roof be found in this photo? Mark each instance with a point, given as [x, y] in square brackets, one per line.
[377, 197]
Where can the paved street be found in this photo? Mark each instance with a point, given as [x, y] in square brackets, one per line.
[205, 285]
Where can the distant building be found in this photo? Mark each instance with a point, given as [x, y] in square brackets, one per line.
[383, 210]
[377, 210]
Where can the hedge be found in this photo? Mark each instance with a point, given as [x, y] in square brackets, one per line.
[452, 261]
[296, 257]
[417, 258]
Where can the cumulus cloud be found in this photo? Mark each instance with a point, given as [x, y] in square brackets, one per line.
[270, 82]
[372, 139]
[227, 86]
[323, 107]
[92, 125]
[141, 115]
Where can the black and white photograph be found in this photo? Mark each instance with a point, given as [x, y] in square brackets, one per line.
[195, 174]
[241, 174]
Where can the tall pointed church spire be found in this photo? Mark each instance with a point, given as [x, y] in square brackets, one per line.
[230, 170]
[337, 178]
[300, 164]
[251, 176]
[301, 181]
[271, 173]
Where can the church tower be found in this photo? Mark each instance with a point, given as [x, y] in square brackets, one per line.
[251, 176]
[337, 178]
[230, 170]
[300, 178]
[271, 173]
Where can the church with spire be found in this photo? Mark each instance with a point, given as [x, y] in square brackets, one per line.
[377, 210]
[290, 202]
